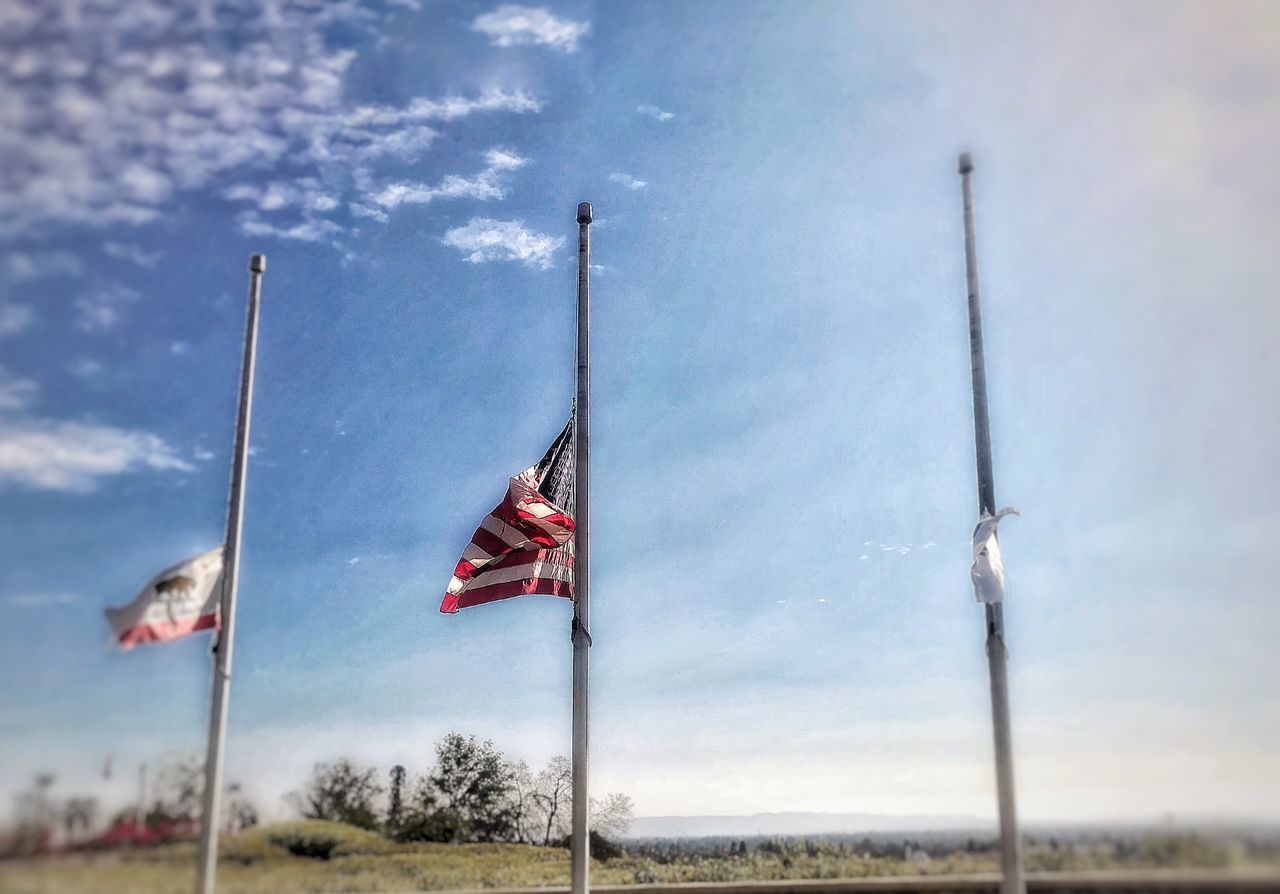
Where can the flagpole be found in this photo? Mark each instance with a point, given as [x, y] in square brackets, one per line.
[580, 842]
[1012, 881]
[208, 866]
[140, 816]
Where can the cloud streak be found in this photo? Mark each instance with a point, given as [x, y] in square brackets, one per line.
[485, 185]
[16, 392]
[101, 307]
[133, 254]
[511, 25]
[46, 454]
[72, 456]
[24, 267]
[15, 318]
[484, 239]
[42, 600]
[654, 112]
[628, 181]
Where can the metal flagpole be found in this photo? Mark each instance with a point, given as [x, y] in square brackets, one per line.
[208, 867]
[580, 844]
[140, 816]
[1010, 842]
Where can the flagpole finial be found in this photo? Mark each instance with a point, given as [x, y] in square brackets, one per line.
[257, 263]
[584, 212]
[966, 162]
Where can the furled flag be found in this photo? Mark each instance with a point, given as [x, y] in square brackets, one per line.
[525, 545]
[176, 602]
[988, 566]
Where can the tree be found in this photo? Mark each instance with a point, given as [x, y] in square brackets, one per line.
[396, 811]
[35, 816]
[179, 791]
[179, 797]
[612, 817]
[524, 807]
[425, 820]
[472, 781]
[343, 792]
[553, 793]
[78, 814]
[240, 811]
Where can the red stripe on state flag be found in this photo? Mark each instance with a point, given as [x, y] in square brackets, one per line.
[177, 602]
[165, 631]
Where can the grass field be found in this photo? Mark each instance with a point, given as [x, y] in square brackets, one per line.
[291, 858]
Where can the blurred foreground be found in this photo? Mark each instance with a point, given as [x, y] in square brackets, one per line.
[319, 856]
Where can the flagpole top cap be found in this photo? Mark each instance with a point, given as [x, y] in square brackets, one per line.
[584, 212]
[257, 263]
[966, 162]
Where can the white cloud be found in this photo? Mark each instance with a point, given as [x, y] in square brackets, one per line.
[72, 456]
[47, 454]
[41, 600]
[361, 210]
[484, 239]
[113, 110]
[628, 181]
[22, 266]
[100, 308]
[132, 253]
[86, 368]
[306, 193]
[511, 25]
[485, 185]
[654, 112]
[308, 230]
[14, 318]
[16, 393]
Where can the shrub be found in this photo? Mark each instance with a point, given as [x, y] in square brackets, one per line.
[442, 826]
[601, 848]
[316, 839]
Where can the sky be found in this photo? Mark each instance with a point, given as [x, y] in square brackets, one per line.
[782, 473]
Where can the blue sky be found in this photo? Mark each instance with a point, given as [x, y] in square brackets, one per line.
[783, 468]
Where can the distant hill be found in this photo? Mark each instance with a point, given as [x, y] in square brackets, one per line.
[799, 824]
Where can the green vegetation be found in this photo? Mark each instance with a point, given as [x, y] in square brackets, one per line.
[314, 839]
[477, 820]
[323, 856]
[263, 861]
[472, 794]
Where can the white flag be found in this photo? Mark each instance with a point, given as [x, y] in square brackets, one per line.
[988, 566]
[175, 603]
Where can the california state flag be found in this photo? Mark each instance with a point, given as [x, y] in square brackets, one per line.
[175, 603]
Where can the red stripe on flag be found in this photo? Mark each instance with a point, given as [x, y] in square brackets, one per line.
[490, 542]
[478, 592]
[538, 586]
[165, 631]
[526, 537]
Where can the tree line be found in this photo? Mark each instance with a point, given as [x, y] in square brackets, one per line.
[471, 794]
[43, 820]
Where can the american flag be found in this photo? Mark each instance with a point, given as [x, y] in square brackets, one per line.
[525, 545]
